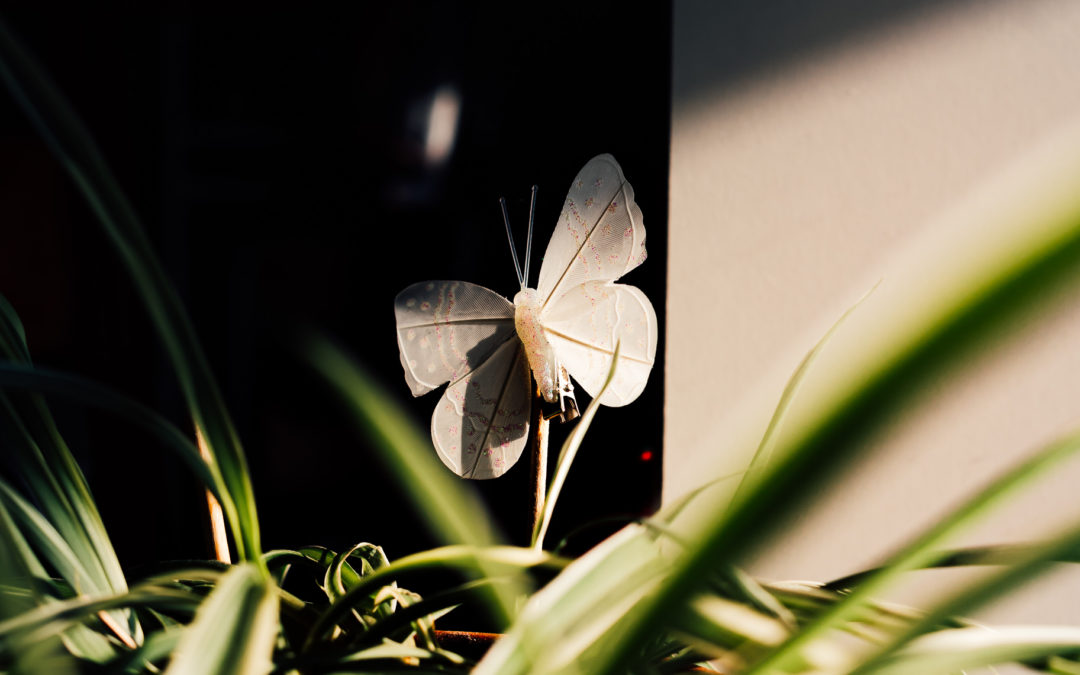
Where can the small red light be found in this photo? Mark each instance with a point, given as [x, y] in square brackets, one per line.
[646, 455]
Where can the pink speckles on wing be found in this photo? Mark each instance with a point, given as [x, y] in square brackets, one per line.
[478, 392]
[456, 396]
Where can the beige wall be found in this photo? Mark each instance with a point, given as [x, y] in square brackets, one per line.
[799, 168]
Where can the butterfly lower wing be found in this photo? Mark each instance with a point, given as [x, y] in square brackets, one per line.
[584, 325]
[446, 329]
[481, 423]
[599, 236]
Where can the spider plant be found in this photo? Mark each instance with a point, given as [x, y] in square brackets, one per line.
[661, 595]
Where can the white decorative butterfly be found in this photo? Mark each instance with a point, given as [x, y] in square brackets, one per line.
[484, 345]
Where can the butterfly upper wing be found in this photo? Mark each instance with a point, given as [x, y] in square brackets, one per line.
[599, 236]
[584, 325]
[481, 423]
[445, 329]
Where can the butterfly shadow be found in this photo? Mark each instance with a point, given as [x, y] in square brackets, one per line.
[494, 400]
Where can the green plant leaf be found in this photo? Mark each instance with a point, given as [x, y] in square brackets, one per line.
[48, 540]
[726, 625]
[12, 334]
[1024, 240]
[235, 628]
[81, 390]
[490, 561]
[58, 616]
[74, 620]
[951, 651]
[1005, 554]
[1062, 666]
[158, 646]
[69, 140]
[564, 626]
[396, 651]
[451, 511]
[1033, 561]
[19, 566]
[766, 448]
[51, 477]
[19, 569]
[431, 607]
[567, 455]
[453, 514]
[925, 551]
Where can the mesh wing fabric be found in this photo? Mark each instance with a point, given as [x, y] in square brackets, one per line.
[599, 236]
[461, 333]
[583, 327]
[446, 329]
[481, 423]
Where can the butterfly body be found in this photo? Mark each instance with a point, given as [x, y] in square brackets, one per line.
[488, 349]
[538, 351]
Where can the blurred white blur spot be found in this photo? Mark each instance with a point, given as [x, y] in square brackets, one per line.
[442, 125]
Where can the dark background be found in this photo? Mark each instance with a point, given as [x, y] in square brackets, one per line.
[275, 159]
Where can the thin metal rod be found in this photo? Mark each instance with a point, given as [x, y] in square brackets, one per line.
[528, 239]
[510, 237]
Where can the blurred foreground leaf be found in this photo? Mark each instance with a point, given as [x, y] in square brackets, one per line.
[234, 630]
[452, 513]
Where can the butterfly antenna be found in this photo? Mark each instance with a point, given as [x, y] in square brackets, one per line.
[528, 239]
[509, 236]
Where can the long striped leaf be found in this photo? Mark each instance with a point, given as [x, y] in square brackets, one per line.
[81, 390]
[234, 630]
[69, 140]
[47, 468]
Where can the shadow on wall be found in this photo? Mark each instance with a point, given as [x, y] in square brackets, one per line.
[722, 44]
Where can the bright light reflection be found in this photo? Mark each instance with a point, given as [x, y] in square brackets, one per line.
[442, 125]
